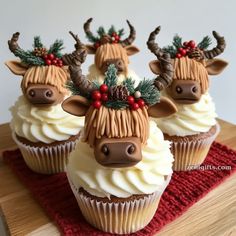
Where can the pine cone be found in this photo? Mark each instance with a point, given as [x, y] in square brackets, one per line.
[196, 54]
[119, 92]
[39, 52]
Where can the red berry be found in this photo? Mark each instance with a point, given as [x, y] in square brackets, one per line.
[185, 44]
[45, 57]
[54, 62]
[141, 103]
[97, 104]
[96, 95]
[183, 52]
[117, 37]
[178, 55]
[104, 97]
[191, 44]
[48, 62]
[103, 88]
[50, 56]
[130, 100]
[114, 34]
[135, 106]
[97, 45]
[180, 49]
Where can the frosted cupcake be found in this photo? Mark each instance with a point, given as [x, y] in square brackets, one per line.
[44, 133]
[121, 164]
[193, 128]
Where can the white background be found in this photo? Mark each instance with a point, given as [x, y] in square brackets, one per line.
[53, 19]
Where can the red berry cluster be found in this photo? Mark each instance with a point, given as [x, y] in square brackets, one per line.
[135, 104]
[51, 59]
[187, 47]
[100, 96]
[115, 38]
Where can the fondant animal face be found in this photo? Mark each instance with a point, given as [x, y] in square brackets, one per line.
[41, 85]
[116, 136]
[107, 51]
[190, 72]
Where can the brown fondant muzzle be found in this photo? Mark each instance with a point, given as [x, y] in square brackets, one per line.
[117, 153]
[43, 95]
[185, 91]
[119, 64]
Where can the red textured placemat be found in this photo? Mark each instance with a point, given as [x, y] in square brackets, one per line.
[54, 194]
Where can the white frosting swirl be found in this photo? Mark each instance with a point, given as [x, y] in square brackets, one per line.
[43, 124]
[146, 177]
[190, 119]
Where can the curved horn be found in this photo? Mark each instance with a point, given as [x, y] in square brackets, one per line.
[165, 78]
[87, 28]
[220, 47]
[132, 36]
[12, 43]
[75, 60]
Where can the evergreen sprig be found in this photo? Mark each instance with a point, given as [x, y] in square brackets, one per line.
[129, 84]
[27, 57]
[177, 41]
[37, 42]
[117, 104]
[205, 43]
[171, 50]
[148, 91]
[73, 88]
[111, 76]
[56, 47]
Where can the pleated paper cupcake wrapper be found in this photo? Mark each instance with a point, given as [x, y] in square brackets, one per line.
[190, 155]
[119, 217]
[48, 159]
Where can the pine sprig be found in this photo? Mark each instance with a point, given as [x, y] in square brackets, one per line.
[171, 50]
[91, 38]
[205, 43]
[117, 104]
[111, 76]
[56, 47]
[148, 91]
[129, 84]
[28, 57]
[121, 32]
[101, 31]
[111, 30]
[177, 41]
[74, 89]
[37, 42]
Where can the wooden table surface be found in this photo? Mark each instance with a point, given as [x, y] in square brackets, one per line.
[213, 215]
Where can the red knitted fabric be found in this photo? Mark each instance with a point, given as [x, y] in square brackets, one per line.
[55, 196]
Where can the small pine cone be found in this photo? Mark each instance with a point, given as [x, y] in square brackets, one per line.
[39, 52]
[118, 92]
[196, 54]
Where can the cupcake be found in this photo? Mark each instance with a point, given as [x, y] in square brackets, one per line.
[44, 133]
[121, 164]
[193, 128]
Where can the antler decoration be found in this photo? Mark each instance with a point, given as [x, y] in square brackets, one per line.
[87, 28]
[165, 78]
[132, 36]
[74, 60]
[12, 43]
[220, 47]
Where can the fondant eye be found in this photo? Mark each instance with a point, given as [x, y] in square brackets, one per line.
[49, 93]
[194, 89]
[178, 89]
[105, 150]
[131, 149]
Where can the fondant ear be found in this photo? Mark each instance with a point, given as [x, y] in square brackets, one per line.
[155, 67]
[76, 105]
[131, 50]
[90, 49]
[215, 66]
[16, 67]
[162, 109]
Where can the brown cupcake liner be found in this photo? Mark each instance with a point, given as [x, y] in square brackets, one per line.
[124, 216]
[191, 154]
[48, 159]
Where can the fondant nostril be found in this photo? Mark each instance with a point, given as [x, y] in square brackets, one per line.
[178, 89]
[131, 149]
[105, 150]
[194, 89]
[49, 93]
[32, 93]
